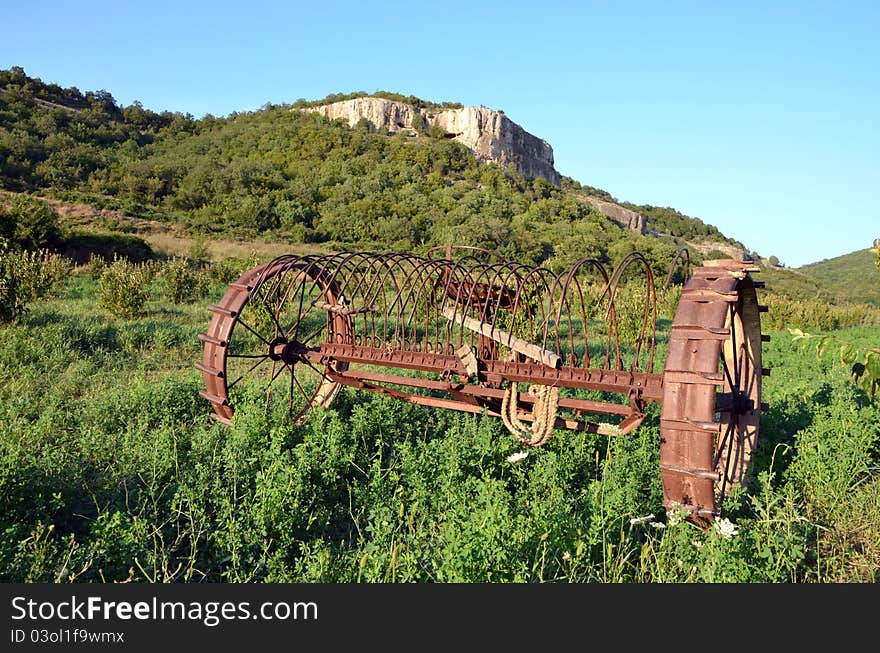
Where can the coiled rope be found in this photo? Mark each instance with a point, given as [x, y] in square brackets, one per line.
[544, 411]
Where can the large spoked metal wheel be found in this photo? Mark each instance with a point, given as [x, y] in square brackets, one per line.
[262, 341]
[709, 422]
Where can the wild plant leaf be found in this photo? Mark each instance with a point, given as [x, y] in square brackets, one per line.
[872, 363]
[848, 354]
[822, 345]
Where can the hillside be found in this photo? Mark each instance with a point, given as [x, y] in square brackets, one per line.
[299, 177]
[852, 277]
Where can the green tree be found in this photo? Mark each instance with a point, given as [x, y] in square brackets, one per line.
[28, 223]
[419, 122]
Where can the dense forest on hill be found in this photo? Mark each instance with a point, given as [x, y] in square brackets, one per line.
[295, 176]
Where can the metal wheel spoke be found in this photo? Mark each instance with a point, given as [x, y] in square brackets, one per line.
[317, 371]
[727, 460]
[250, 369]
[290, 394]
[299, 385]
[735, 382]
[726, 369]
[309, 337]
[249, 328]
[247, 355]
[721, 444]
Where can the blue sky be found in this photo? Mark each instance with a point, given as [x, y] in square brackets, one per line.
[758, 117]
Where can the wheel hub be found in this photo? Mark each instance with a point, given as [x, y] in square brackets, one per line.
[736, 403]
[290, 352]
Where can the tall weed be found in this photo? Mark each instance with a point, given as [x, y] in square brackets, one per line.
[123, 289]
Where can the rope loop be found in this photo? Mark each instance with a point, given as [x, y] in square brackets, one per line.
[544, 411]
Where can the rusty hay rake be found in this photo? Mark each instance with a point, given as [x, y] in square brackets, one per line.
[464, 329]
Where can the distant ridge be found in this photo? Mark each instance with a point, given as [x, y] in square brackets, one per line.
[851, 277]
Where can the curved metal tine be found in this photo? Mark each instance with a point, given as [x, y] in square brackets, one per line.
[408, 295]
[683, 252]
[322, 278]
[364, 288]
[590, 264]
[544, 280]
[396, 273]
[486, 278]
[462, 277]
[612, 317]
[561, 285]
[344, 274]
[437, 275]
[595, 265]
[418, 285]
[649, 307]
[529, 281]
[564, 286]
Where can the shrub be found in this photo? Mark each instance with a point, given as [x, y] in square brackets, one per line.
[228, 270]
[816, 314]
[41, 273]
[28, 223]
[96, 266]
[181, 282]
[123, 288]
[82, 245]
[27, 276]
[12, 303]
[200, 251]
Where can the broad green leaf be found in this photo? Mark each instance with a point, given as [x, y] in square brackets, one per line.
[848, 354]
[822, 345]
[872, 362]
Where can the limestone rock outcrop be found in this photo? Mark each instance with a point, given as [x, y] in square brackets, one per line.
[379, 112]
[492, 136]
[622, 216]
[489, 134]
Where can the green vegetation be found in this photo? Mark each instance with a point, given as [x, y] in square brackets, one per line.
[123, 288]
[26, 277]
[851, 277]
[112, 472]
[666, 220]
[290, 175]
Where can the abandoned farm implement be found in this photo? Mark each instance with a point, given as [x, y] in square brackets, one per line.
[464, 329]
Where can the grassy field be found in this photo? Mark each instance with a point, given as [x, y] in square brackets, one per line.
[112, 471]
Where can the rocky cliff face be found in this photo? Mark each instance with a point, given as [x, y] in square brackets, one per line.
[489, 134]
[492, 136]
[622, 216]
[380, 113]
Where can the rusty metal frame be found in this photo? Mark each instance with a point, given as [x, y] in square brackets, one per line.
[472, 325]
